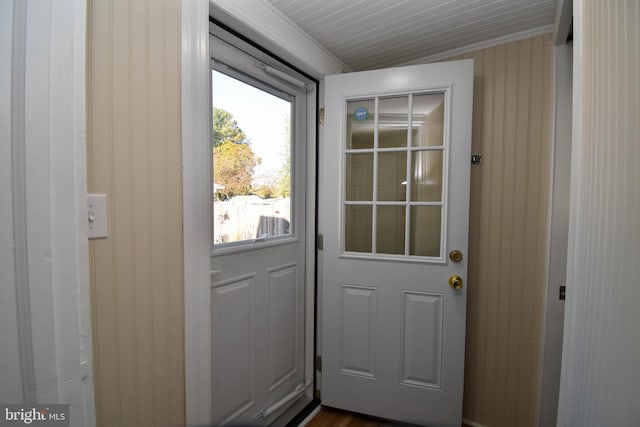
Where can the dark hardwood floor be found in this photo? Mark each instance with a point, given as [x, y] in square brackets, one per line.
[329, 417]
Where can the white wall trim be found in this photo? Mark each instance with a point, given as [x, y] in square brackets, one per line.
[49, 218]
[556, 260]
[284, 36]
[546, 292]
[10, 370]
[37, 145]
[575, 201]
[195, 93]
[534, 32]
[18, 167]
[68, 198]
[562, 24]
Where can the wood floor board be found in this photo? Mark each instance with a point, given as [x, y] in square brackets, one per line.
[330, 417]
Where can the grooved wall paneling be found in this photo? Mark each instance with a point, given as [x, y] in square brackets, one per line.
[508, 231]
[600, 372]
[134, 157]
[137, 286]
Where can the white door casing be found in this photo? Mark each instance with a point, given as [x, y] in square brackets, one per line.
[45, 322]
[393, 329]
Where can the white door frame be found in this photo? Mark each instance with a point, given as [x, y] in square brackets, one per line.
[265, 26]
[45, 344]
[195, 89]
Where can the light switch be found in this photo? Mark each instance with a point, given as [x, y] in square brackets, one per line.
[97, 210]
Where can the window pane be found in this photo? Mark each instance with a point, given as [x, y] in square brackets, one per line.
[357, 224]
[391, 136]
[395, 161]
[425, 231]
[428, 116]
[361, 120]
[426, 176]
[251, 161]
[359, 177]
[393, 121]
[392, 176]
[390, 231]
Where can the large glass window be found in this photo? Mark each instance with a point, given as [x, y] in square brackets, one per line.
[251, 143]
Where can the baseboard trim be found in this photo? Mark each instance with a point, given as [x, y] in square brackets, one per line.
[470, 423]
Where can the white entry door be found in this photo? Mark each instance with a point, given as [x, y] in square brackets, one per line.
[394, 215]
[258, 251]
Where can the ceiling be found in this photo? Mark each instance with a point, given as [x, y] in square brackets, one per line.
[370, 34]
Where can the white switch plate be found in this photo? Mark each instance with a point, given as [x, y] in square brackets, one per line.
[97, 210]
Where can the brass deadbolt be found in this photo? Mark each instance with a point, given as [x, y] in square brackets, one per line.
[455, 282]
[455, 256]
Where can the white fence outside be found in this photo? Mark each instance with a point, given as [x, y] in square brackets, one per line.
[249, 218]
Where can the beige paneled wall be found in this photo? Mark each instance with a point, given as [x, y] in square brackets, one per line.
[508, 231]
[134, 157]
[136, 274]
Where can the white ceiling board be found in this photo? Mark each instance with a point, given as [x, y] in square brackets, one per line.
[369, 34]
[268, 26]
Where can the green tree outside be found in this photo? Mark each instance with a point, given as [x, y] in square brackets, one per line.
[225, 128]
[233, 159]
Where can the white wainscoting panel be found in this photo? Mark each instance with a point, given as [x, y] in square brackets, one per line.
[357, 323]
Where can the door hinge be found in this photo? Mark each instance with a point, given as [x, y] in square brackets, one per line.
[321, 116]
[563, 293]
[319, 363]
[320, 242]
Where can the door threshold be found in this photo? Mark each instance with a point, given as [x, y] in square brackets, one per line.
[297, 413]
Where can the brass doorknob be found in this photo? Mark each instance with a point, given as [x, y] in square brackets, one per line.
[455, 282]
[455, 256]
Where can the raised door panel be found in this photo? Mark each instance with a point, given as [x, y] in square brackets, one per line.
[283, 324]
[422, 339]
[233, 339]
[357, 326]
